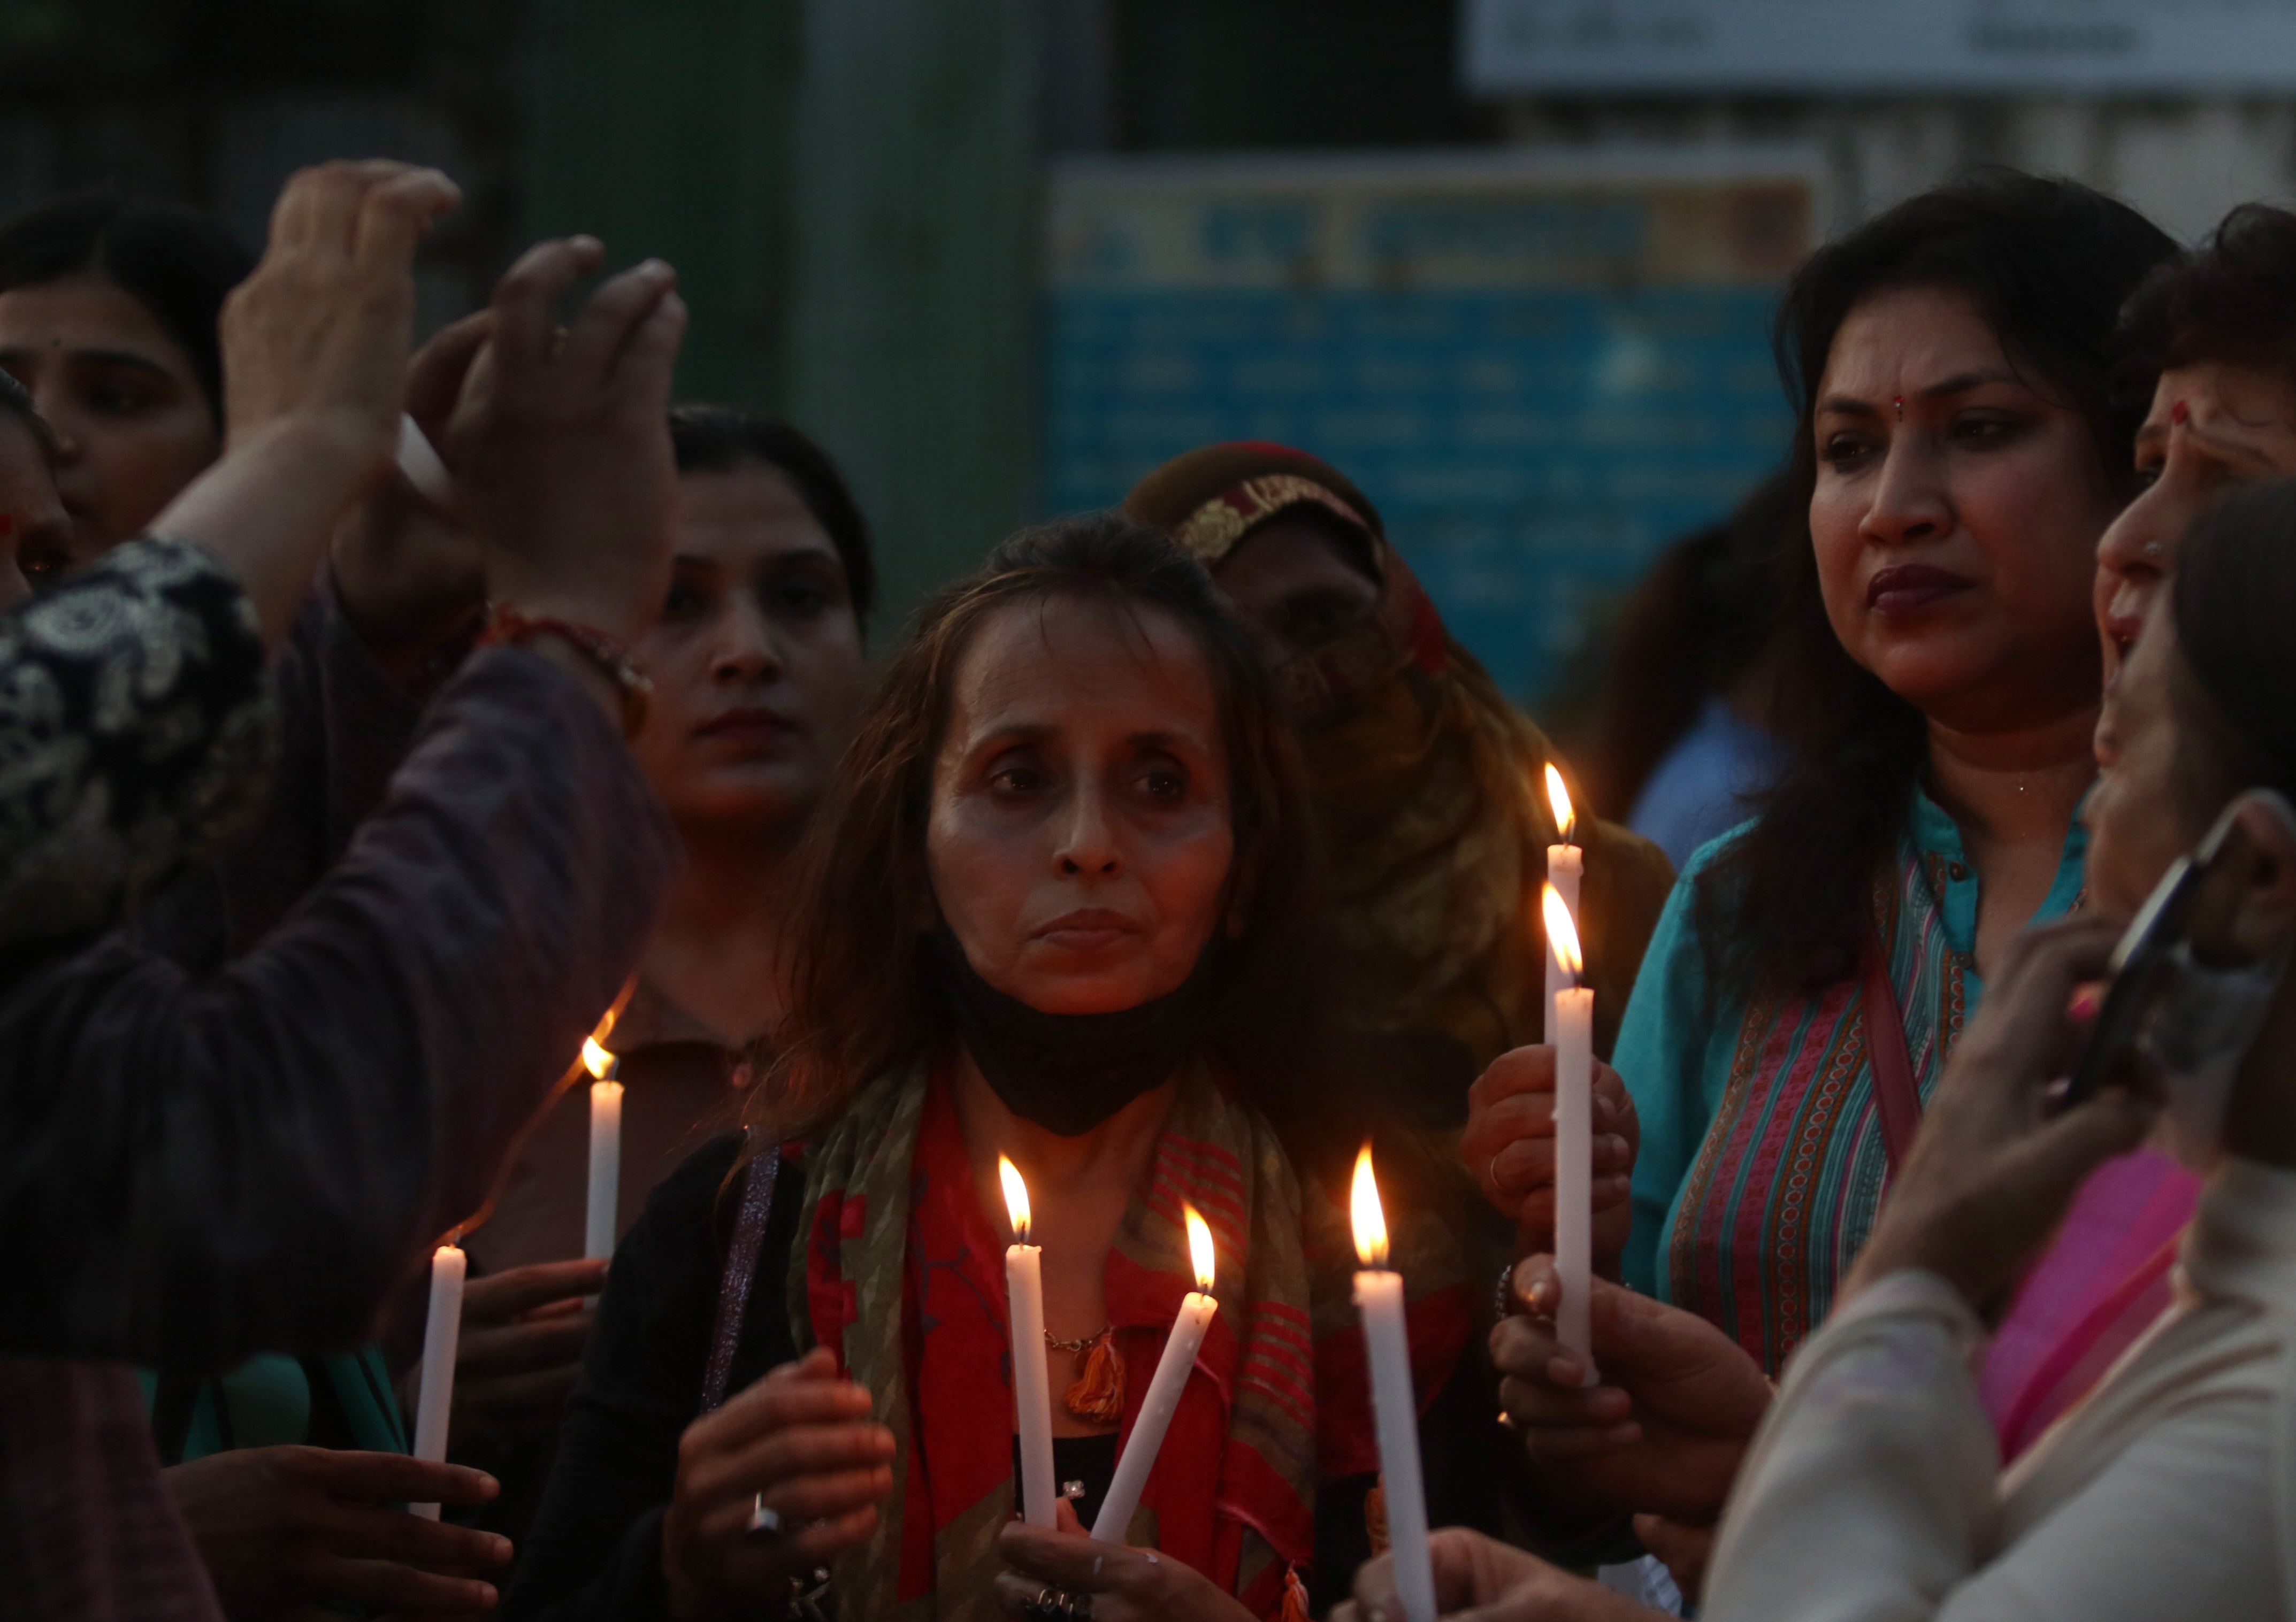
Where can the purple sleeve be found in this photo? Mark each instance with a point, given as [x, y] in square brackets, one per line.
[201, 1166]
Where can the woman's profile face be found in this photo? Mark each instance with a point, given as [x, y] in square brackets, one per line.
[133, 426]
[1079, 840]
[2138, 815]
[1955, 516]
[2212, 428]
[757, 660]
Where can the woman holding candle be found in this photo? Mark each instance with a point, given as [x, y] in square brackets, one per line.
[1057, 912]
[1964, 447]
[1430, 787]
[758, 663]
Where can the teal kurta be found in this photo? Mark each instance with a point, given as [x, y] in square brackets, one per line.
[268, 1401]
[1762, 1160]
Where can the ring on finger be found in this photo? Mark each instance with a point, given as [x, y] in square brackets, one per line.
[1076, 1607]
[765, 1520]
[1047, 1606]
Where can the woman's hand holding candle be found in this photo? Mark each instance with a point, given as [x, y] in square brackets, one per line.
[1122, 1585]
[802, 1442]
[1492, 1580]
[1509, 1149]
[1665, 1431]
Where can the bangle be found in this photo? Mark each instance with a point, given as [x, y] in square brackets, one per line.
[507, 628]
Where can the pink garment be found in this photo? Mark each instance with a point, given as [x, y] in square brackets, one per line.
[2099, 1288]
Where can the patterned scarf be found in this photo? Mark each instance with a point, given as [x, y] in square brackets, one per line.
[1788, 1179]
[903, 1275]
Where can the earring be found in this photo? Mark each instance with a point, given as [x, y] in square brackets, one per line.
[1901, 408]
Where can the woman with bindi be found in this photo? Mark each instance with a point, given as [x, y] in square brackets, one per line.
[1056, 908]
[108, 313]
[1963, 447]
[757, 666]
[2216, 330]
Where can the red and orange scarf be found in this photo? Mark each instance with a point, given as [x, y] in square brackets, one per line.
[903, 1275]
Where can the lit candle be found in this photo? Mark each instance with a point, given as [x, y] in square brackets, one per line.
[1394, 1406]
[1163, 1398]
[1032, 1386]
[442, 1332]
[1565, 863]
[1573, 1036]
[605, 1150]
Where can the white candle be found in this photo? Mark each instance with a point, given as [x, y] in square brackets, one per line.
[1394, 1403]
[442, 1333]
[1574, 1137]
[605, 1150]
[1164, 1392]
[1032, 1386]
[1566, 863]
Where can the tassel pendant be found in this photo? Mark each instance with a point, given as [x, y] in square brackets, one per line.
[1097, 1398]
[1295, 1597]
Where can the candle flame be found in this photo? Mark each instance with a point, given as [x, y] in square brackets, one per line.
[1370, 1221]
[1566, 819]
[1562, 934]
[1200, 1248]
[1016, 1199]
[596, 1059]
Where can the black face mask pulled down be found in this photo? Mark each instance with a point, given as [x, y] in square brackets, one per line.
[1068, 1072]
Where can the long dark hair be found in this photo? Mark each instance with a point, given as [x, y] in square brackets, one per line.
[176, 262]
[2048, 263]
[859, 1003]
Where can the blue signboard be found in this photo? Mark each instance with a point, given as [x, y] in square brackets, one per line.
[1538, 381]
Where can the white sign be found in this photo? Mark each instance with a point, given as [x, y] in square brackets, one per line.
[1836, 46]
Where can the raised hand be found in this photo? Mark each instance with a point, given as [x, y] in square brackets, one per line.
[287, 1532]
[313, 360]
[560, 441]
[1665, 1431]
[803, 1439]
[410, 573]
[1509, 1149]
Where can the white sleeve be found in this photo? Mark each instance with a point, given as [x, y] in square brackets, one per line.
[1871, 1494]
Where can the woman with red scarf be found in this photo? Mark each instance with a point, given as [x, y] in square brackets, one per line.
[1059, 907]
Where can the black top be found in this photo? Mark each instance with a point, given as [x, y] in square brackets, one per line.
[595, 1549]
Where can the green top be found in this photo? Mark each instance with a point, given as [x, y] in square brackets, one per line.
[271, 1400]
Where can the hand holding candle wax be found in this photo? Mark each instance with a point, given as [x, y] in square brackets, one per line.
[1032, 1386]
[1164, 1391]
[1572, 1034]
[1394, 1401]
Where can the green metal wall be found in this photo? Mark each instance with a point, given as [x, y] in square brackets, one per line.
[847, 189]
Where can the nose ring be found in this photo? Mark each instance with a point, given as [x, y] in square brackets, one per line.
[2154, 551]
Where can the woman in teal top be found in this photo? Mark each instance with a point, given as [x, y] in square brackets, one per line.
[1961, 447]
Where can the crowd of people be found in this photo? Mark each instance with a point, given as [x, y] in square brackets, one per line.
[1173, 855]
